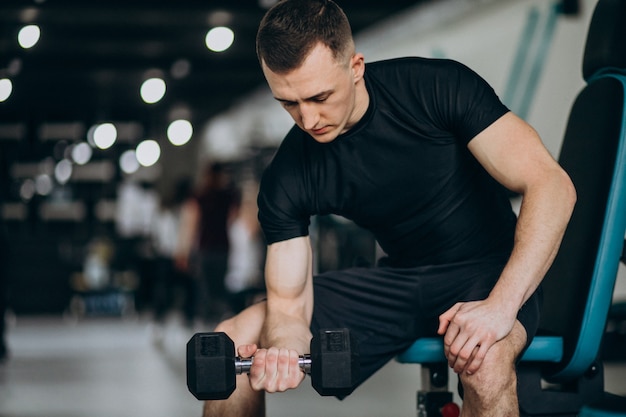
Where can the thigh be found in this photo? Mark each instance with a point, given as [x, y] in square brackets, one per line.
[378, 306]
[389, 308]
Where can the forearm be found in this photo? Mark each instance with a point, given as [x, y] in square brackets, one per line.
[543, 218]
[289, 295]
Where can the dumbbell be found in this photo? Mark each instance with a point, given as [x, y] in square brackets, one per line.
[212, 365]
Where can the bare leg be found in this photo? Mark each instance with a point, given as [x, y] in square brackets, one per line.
[492, 391]
[245, 328]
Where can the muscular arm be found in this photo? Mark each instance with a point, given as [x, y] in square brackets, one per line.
[511, 151]
[285, 334]
[289, 285]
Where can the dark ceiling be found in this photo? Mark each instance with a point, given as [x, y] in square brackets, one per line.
[93, 55]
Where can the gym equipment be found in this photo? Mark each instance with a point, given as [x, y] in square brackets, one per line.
[212, 365]
[562, 371]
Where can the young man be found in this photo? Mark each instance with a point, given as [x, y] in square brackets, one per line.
[417, 151]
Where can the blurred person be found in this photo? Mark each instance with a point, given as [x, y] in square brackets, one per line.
[244, 277]
[168, 279]
[205, 247]
[420, 152]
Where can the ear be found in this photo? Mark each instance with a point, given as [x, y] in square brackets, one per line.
[357, 64]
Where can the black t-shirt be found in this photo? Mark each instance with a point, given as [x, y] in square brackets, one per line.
[403, 171]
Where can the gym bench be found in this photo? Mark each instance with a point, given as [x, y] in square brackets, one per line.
[561, 374]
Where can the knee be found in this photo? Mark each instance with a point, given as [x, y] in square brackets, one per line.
[227, 326]
[495, 375]
[245, 327]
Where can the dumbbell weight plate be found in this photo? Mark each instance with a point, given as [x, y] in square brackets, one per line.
[211, 366]
[334, 362]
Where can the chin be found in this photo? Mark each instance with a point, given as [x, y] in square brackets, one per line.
[326, 138]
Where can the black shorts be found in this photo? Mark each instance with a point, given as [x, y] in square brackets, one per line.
[387, 309]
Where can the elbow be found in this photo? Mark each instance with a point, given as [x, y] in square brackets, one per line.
[568, 194]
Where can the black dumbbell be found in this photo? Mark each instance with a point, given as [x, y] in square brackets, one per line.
[212, 365]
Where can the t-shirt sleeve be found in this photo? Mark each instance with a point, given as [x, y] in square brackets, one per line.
[466, 101]
[283, 212]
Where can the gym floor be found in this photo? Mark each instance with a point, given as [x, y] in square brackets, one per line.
[109, 367]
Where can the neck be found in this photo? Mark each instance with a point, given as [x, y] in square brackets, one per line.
[361, 103]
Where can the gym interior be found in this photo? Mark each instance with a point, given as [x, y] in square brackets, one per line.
[85, 334]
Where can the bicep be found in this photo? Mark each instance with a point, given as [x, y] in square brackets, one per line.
[512, 152]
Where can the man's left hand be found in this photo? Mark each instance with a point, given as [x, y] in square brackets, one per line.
[470, 329]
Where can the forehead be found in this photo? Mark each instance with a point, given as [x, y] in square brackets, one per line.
[319, 72]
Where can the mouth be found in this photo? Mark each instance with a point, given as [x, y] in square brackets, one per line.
[320, 131]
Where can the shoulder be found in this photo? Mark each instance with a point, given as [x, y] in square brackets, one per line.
[284, 172]
[283, 199]
[417, 66]
[423, 79]
[290, 151]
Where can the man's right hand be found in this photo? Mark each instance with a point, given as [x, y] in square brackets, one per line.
[273, 369]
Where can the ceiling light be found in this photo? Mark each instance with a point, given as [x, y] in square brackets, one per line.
[104, 135]
[219, 38]
[148, 152]
[81, 153]
[6, 87]
[128, 162]
[152, 90]
[63, 171]
[179, 132]
[27, 189]
[43, 184]
[28, 36]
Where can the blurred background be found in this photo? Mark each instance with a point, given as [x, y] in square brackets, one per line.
[121, 120]
[106, 107]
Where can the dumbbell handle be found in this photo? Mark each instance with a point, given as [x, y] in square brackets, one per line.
[242, 365]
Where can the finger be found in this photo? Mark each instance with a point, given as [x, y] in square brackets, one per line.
[446, 318]
[247, 351]
[451, 337]
[463, 361]
[257, 375]
[448, 339]
[466, 354]
[282, 370]
[271, 370]
[477, 359]
[443, 325]
[289, 370]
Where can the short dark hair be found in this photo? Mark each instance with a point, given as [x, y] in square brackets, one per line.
[292, 28]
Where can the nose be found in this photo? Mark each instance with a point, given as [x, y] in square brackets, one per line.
[309, 116]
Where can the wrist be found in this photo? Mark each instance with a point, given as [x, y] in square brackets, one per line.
[509, 303]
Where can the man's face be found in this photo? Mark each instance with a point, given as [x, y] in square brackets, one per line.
[320, 95]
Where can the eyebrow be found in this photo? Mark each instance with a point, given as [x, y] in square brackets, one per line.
[312, 98]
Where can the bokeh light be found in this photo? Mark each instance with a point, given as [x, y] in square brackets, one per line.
[6, 88]
[63, 171]
[128, 162]
[179, 132]
[81, 153]
[148, 152]
[43, 184]
[28, 36]
[219, 38]
[152, 90]
[27, 189]
[104, 135]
